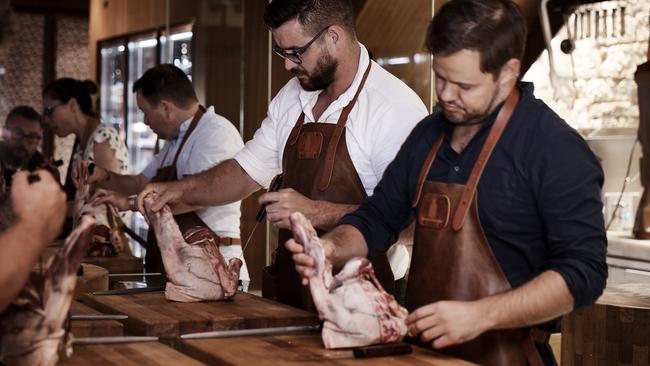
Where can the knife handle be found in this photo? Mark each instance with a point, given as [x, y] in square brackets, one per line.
[274, 186]
[378, 350]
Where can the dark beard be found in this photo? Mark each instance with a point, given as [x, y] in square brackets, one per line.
[323, 75]
[16, 158]
[471, 118]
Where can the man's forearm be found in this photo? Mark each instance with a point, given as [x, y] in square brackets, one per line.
[329, 214]
[543, 298]
[219, 185]
[125, 184]
[348, 242]
[21, 246]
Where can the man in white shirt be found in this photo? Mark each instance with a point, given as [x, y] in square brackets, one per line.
[198, 139]
[331, 130]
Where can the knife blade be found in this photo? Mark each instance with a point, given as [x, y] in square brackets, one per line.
[134, 274]
[252, 332]
[127, 291]
[111, 340]
[261, 214]
[98, 317]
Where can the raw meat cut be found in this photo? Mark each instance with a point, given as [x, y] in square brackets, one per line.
[32, 328]
[193, 263]
[109, 238]
[356, 309]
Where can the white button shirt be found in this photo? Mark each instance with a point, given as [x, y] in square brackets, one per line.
[385, 113]
[214, 140]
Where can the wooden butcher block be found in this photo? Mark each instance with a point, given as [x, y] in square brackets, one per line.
[297, 349]
[613, 331]
[150, 314]
[127, 354]
[122, 263]
[94, 278]
[93, 328]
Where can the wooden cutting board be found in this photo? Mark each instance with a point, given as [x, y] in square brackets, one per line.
[127, 354]
[613, 331]
[122, 263]
[93, 328]
[94, 278]
[297, 349]
[152, 315]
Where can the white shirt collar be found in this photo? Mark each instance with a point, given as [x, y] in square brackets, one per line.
[308, 99]
[186, 124]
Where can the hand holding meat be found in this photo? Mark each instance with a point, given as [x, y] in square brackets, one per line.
[165, 194]
[32, 329]
[105, 196]
[447, 323]
[195, 267]
[356, 309]
[41, 203]
[109, 238]
[281, 204]
[85, 172]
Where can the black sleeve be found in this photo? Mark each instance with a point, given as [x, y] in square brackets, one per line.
[567, 179]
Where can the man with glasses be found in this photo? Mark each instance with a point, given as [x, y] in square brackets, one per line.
[22, 134]
[331, 130]
[38, 211]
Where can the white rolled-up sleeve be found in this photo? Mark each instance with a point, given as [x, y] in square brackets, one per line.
[260, 157]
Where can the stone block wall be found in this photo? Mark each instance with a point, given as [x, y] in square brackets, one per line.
[596, 87]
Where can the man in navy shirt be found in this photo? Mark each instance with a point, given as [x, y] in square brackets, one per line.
[506, 198]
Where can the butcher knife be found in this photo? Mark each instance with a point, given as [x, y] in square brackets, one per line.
[110, 340]
[98, 317]
[127, 291]
[252, 332]
[261, 214]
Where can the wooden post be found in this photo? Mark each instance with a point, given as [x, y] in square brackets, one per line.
[614, 331]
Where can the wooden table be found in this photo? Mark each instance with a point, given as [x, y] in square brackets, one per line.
[127, 354]
[613, 331]
[93, 328]
[95, 278]
[122, 263]
[297, 349]
[152, 315]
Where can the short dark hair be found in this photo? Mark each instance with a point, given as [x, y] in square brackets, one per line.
[494, 28]
[166, 82]
[314, 15]
[66, 88]
[26, 112]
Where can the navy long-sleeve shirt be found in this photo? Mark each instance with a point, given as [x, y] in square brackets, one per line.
[538, 198]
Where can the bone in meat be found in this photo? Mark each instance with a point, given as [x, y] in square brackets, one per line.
[32, 328]
[109, 238]
[356, 309]
[193, 263]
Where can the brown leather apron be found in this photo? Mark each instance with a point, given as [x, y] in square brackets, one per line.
[452, 259]
[319, 175]
[186, 221]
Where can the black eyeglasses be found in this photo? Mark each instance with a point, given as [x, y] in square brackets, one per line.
[47, 111]
[294, 54]
[20, 135]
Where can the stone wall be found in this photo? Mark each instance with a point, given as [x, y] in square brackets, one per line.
[596, 87]
[21, 65]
